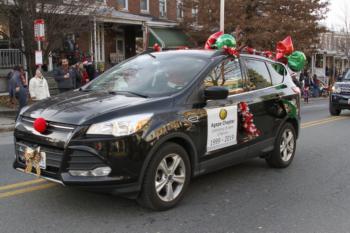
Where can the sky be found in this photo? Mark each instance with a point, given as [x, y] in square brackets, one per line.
[335, 19]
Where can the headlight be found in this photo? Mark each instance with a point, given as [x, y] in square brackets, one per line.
[121, 126]
[336, 89]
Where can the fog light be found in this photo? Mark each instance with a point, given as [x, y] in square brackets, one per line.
[79, 173]
[100, 171]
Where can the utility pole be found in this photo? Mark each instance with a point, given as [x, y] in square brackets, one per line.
[222, 15]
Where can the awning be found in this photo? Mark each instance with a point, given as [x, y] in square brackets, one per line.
[169, 38]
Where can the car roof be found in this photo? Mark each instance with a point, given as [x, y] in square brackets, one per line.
[189, 52]
[207, 53]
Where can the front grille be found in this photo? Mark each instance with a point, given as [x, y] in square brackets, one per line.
[54, 157]
[345, 90]
[28, 121]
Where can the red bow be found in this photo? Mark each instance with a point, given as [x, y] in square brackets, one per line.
[156, 47]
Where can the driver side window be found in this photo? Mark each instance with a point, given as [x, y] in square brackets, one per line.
[227, 74]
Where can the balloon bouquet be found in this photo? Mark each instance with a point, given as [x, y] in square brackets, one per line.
[284, 50]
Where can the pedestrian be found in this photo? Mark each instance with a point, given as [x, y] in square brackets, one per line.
[17, 88]
[306, 89]
[315, 86]
[64, 76]
[38, 87]
[77, 75]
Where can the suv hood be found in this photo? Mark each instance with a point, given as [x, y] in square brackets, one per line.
[77, 107]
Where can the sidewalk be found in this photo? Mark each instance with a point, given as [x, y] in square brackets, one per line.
[7, 119]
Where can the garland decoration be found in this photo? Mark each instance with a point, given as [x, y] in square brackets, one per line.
[248, 121]
[32, 158]
[284, 53]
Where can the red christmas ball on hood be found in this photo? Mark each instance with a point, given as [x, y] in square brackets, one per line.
[40, 125]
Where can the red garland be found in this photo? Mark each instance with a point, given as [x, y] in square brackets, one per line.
[231, 51]
[283, 48]
[247, 120]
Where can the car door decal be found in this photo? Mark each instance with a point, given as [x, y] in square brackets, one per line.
[222, 127]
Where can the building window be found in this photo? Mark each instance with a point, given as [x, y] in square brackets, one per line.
[122, 4]
[195, 14]
[179, 9]
[144, 5]
[162, 8]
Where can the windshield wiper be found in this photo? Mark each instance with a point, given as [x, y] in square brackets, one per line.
[130, 92]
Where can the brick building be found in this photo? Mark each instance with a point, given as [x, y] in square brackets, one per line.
[120, 29]
[124, 28]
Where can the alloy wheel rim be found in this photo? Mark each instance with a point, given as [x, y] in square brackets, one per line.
[170, 177]
[287, 145]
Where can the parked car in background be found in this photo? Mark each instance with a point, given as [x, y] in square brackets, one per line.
[340, 95]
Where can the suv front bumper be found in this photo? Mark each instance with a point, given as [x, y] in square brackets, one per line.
[340, 101]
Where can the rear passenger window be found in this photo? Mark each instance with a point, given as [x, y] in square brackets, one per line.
[259, 76]
[227, 74]
[277, 71]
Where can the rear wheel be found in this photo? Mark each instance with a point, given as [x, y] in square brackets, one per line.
[285, 147]
[167, 178]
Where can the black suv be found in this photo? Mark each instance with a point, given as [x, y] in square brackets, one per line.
[147, 126]
[340, 96]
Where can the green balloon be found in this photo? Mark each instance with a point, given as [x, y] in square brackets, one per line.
[296, 61]
[227, 40]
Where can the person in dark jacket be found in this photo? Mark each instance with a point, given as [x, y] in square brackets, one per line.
[64, 77]
[17, 88]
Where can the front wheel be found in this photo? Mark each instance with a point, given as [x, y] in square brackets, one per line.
[333, 110]
[167, 178]
[285, 147]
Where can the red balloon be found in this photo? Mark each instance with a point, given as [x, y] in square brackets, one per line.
[284, 48]
[40, 125]
[212, 39]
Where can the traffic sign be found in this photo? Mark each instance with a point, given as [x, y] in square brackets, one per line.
[39, 29]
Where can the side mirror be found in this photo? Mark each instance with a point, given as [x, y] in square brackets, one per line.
[215, 93]
[339, 78]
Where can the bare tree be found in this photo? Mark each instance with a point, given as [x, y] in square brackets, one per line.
[61, 17]
[262, 22]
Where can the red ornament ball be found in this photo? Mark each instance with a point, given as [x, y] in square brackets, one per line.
[40, 125]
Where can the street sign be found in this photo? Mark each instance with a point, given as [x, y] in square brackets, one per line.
[38, 57]
[39, 29]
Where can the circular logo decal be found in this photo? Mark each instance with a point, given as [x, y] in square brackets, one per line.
[223, 114]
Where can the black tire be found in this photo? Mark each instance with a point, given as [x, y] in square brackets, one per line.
[277, 159]
[149, 197]
[333, 110]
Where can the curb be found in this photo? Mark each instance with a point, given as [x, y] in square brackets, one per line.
[7, 129]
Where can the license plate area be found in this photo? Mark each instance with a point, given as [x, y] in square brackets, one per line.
[21, 149]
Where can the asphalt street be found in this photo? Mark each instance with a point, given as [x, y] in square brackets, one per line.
[312, 195]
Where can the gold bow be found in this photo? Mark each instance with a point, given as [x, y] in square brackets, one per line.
[32, 158]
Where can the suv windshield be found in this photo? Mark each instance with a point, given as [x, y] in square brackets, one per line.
[347, 76]
[150, 75]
